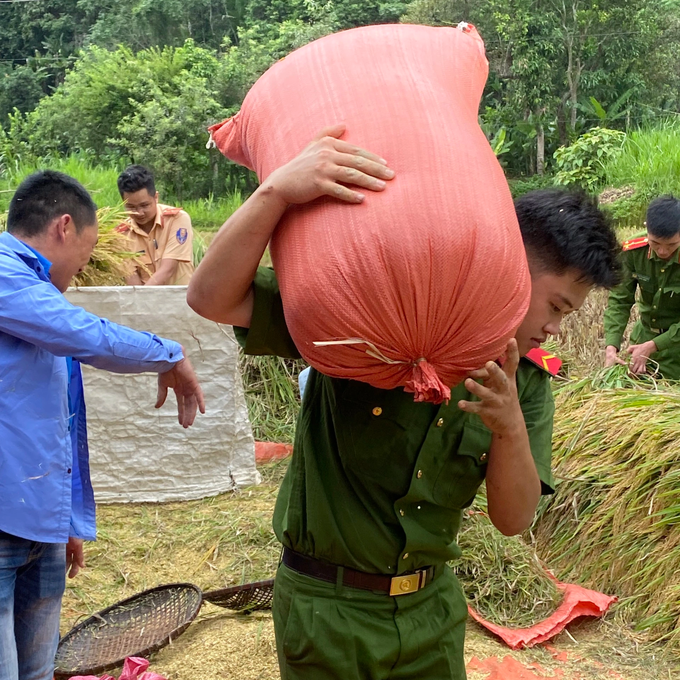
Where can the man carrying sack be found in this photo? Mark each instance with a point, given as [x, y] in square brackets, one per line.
[372, 501]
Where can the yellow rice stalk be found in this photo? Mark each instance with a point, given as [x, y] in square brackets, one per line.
[110, 260]
[614, 523]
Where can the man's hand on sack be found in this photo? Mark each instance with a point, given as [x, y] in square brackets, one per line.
[498, 404]
[182, 379]
[325, 168]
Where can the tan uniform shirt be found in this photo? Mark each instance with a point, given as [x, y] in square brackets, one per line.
[170, 238]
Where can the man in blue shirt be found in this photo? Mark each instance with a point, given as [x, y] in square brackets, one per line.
[46, 499]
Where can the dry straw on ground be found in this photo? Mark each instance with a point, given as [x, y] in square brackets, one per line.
[502, 577]
[614, 522]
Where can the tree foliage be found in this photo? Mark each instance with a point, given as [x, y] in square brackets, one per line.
[122, 80]
[548, 58]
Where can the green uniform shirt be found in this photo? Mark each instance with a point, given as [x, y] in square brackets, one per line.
[377, 482]
[658, 302]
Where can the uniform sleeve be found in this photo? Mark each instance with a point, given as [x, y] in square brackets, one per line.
[621, 299]
[268, 332]
[180, 239]
[538, 407]
[671, 338]
[36, 312]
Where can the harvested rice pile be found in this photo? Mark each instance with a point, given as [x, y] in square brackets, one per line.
[501, 576]
[109, 261]
[614, 523]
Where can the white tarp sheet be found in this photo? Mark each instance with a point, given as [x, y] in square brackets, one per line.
[139, 453]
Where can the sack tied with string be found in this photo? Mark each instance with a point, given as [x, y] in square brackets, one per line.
[422, 282]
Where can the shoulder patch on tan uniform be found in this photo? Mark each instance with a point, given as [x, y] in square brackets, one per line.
[550, 363]
[633, 243]
[171, 212]
[123, 228]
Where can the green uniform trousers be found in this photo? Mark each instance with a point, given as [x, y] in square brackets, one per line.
[329, 632]
[668, 360]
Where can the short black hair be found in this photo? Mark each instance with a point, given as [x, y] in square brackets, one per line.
[46, 195]
[134, 178]
[663, 217]
[565, 230]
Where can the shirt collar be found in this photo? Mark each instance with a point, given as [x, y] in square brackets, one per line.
[157, 223]
[37, 261]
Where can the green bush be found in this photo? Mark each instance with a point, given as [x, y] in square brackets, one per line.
[583, 163]
[154, 107]
[523, 185]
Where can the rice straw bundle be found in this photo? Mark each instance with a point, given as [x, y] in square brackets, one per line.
[110, 260]
[501, 575]
[614, 522]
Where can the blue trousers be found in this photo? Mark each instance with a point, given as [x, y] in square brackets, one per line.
[32, 583]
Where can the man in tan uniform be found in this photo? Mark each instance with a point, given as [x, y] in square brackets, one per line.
[161, 235]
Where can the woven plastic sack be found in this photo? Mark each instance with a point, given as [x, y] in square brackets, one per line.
[422, 282]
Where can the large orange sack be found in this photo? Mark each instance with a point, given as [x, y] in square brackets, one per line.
[422, 282]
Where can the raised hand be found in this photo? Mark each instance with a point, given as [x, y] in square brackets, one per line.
[498, 404]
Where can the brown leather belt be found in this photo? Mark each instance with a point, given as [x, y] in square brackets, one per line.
[391, 585]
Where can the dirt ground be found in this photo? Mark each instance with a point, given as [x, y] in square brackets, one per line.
[228, 540]
[222, 645]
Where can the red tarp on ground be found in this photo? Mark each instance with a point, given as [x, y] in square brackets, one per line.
[577, 602]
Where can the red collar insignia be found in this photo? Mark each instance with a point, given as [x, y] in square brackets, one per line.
[543, 359]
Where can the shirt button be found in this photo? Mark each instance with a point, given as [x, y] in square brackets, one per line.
[377, 411]
[440, 422]
[69, 471]
[419, 474]
[401, 512]
[405, 556]
[483, 457]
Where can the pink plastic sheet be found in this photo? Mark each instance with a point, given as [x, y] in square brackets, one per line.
[135, 668]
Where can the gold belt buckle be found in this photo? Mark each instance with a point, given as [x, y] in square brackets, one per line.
[410, 583]
[655, 330]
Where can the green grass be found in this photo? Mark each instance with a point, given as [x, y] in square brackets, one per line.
[99, 180]
[650, 163]
[207, 214]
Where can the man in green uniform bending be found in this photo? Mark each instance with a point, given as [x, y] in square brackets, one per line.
[371, 504]
[652, 263]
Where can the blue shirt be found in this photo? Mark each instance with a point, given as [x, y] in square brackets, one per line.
[45, 490]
